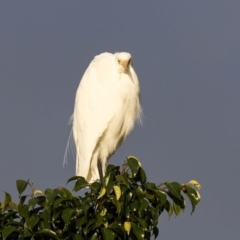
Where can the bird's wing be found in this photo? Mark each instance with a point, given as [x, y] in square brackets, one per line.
[92, 111]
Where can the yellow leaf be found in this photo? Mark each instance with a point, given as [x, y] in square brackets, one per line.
[105, 224]
[102, 192]
[117, 191]
[195, 183]
[127, 227]
[198, 196]
[103, 212]
[38, 192]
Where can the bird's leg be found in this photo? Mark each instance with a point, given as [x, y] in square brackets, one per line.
[100, 170]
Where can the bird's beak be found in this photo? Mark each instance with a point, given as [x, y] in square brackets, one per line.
[125, 64]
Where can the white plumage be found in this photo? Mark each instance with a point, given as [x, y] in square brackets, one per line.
[106, 107]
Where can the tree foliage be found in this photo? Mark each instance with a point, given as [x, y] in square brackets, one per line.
[124, 206]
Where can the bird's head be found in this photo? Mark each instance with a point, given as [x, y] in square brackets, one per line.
[124, 61]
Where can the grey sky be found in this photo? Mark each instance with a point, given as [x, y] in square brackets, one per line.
[187, 57]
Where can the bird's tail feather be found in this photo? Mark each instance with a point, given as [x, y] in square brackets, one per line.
[69, 148]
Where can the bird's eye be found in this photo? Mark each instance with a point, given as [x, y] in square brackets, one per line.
[119, 61]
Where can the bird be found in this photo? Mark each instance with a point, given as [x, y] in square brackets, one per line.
[107, 106]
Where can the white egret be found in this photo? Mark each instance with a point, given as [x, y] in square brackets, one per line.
[106, 107]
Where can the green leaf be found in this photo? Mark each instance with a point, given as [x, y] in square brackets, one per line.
[193, 196]
[32, 221]
[51, 194]
[108, 234]
[139, 233]
[169, 208]
[139, 192]
[142, 175]
[14, 223]
[64, 192]
[134, 164]
[45, 225]
[21, 186]
[27, 233]
[175, 189]
[117, 204]
[61, 202]
[7, 231]
[46, 233]
[99, 220]
[94, 236]
[117, 229]
[155, 232]
[73, 178]
[81, 221]
[32, 202]
[123, 179]
[150, 186]
[90, 225]
[77, 237]
[42, 201]
[111, 168]
[95, 186]
[176, 208]
[134, 206]
[67, 214]
[21, 203]
[13, 205]
[24, 211]
[7, 199]
[80, 183]
[144, 206]
[162, 196]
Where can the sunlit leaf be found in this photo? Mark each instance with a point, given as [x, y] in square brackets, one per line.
[127, 227]
[117, 191]
[193, 196]
[38, 192]
[102, 193]
[195, 184]
[103, 212]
